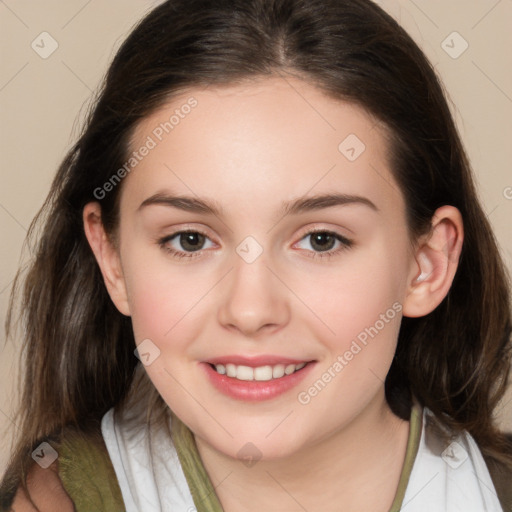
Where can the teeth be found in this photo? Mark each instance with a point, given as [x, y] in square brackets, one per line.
[230, 370]
[278, 371]
[244, 373]
[289, 369]
[260, 373]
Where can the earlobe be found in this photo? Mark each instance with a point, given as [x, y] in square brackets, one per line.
[435, 263]
[106, 256]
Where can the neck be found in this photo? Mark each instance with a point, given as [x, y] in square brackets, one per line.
[353, 469]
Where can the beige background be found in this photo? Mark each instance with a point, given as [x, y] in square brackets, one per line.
[41, 99]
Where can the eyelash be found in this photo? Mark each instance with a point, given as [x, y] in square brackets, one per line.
[345, 244]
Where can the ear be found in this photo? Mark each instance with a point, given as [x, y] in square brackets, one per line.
[436, 261]
[106, 255]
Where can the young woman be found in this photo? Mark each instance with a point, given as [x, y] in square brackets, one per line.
[264, 280]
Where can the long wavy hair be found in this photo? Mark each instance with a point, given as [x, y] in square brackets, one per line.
[77, 359]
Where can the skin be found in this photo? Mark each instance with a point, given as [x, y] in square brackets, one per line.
[46, 492]
[249, 147]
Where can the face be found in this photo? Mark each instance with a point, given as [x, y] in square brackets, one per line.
[251, 274]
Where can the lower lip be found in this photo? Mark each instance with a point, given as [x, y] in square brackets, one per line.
[255, 390]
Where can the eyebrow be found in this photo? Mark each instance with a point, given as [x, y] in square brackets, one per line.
[294, 207]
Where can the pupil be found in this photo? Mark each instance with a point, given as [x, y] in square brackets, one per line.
[191, 240]
[323, 239]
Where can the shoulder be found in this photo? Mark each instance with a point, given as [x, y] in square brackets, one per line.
[46, 492]
[86, 471]
[82, 477]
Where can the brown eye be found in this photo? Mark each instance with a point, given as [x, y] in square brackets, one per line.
[184, 244]
[322, 240]
[323, 243]
[191, 240]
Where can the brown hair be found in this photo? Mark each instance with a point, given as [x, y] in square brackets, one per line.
[78, 349]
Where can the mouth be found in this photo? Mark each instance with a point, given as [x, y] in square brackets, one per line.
[257, 378]
[258, 373]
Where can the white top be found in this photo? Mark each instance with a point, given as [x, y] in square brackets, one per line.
[443, 479]
[449, 478]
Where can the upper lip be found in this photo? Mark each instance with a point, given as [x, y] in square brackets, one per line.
[255, 361]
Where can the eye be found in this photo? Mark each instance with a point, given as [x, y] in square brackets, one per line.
[183, 244]
[322, 243]
[190, 242]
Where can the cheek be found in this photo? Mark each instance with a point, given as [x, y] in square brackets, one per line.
[162, 310]
[160, 296]
[359, 303]
[362, 308]
[354, 294]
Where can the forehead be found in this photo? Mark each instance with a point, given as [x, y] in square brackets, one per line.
[269, 137]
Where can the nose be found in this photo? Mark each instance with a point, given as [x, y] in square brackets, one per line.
[255, 300]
